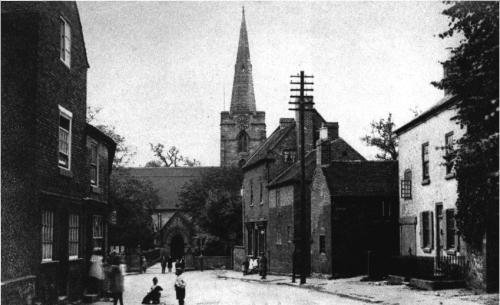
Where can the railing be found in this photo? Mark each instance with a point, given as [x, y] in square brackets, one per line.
[449, 267]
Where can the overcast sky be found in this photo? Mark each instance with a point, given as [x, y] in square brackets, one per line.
[163, 71]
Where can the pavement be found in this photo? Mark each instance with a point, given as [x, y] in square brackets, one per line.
[220, 287]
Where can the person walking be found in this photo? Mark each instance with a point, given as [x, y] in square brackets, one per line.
[169, 264]
[180, 287]
[263, 266]
[144, 264]
[116, 281]
[96, 272]
[163, 263]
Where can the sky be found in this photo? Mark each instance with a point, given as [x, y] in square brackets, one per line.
[162, 71]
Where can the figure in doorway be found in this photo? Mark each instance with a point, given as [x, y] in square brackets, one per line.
[263, 266]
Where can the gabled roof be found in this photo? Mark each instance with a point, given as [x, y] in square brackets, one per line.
[292, 173]
[362, 178]
[168, 181]
[261, 153]
[443, 104]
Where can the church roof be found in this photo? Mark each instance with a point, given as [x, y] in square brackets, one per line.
[168, 181]
[261, 153]
[243, 98]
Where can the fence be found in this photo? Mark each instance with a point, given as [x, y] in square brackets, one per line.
[449, 267]
[213, 262]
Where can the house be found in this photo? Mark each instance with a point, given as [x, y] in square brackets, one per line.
[428, 195]
[284, 200]
[266, 228]
[55, 166]
[353, 212]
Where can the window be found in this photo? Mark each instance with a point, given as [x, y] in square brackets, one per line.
[65, 42]
[47, 235]
[278, 237]
[94, 165]
[278, 198]
[260, 195]
[242, 141]
[65, 118]
[98, 232]
[73, 234]
[425, 161]
[450, 229]
[406, 185]
[322, 245]
[289, 233]
[426, 231]
[289, 156]
[251, 192]
[448, 142]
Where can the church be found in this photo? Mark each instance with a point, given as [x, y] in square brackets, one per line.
[242, 130]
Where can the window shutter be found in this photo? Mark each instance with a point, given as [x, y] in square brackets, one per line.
[431, 224]
[421, 231]
[445, 230]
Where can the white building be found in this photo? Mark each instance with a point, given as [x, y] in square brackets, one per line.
[428, 188]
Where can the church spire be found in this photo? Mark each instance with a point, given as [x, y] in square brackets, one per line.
[243, 99]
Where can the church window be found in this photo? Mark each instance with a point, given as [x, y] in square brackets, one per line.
[242, 141]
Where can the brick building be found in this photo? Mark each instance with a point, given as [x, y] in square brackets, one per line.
[428, 195]
[274, 165]
[354, 209]
[284, 198]
[55, 167]
[242, 128]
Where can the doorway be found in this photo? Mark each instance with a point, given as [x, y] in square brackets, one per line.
[177, 246]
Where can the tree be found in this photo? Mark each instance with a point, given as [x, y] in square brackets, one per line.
[382, 137]
[123, 153]
[170, 158]
[131, 198]
[214, 203]
[134, 200]
[472, 76]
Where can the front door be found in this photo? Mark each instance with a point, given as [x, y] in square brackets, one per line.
[177, 247]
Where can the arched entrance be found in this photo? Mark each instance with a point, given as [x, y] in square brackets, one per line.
[177, 246]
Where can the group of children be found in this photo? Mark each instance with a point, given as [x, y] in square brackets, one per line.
[154, 294]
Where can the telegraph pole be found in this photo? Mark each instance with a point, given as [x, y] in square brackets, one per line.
[301, 236]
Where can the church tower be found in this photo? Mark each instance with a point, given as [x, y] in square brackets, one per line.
[242, 128]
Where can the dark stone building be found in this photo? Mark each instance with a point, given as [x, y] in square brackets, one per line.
[354, 209]
[274, 165]
[285, 198]
[55, 167]
[242, 128]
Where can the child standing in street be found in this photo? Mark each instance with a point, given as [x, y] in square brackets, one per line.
[180, 287]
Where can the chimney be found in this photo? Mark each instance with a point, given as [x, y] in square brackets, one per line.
[308, 126]
[286, 122]
[323, 147]
[333, 130]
